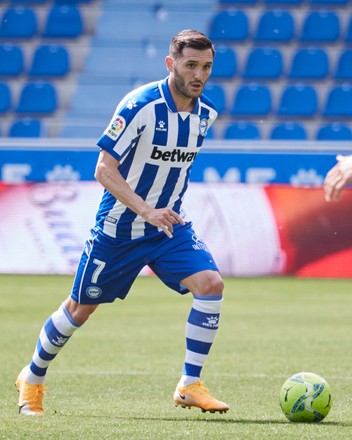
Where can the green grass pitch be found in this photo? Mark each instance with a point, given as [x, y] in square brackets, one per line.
[116, 377]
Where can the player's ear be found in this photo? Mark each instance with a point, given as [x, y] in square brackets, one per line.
[169, 63]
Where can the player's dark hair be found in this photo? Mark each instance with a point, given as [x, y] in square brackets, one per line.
[190, 38]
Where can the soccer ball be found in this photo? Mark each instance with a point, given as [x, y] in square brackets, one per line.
[305, 397]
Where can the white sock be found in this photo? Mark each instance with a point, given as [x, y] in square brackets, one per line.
[56, 331]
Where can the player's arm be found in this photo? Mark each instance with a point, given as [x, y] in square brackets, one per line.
[338, 177]
[108, 175]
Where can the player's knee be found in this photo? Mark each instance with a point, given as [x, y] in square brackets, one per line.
[216, 286]
[212, 284]
[79, 312]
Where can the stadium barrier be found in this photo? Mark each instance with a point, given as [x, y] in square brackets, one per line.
[295, 163]
[259, 208]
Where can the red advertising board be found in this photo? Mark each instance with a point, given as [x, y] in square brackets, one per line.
[252, 230]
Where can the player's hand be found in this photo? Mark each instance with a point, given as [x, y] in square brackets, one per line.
[338, 177]
[164, 219]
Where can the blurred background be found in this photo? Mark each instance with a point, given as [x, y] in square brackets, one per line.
[281, 81]
[283, 68]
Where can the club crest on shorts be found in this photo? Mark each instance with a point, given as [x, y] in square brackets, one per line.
[93, 292]
[203, 127]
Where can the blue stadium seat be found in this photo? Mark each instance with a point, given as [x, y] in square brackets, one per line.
[298, 100]
[25, 128]
[284, 2]
[329, 3]
[264, 63]
[344, 65]
[320, 26]
[74, 1]
[5, 98]
[29, 2]
[242, 130]
[277, 26]
[63, 21]
[348, 35]
[225, 63]
[334, 132]
[216, 93]
[288, 131]
[309, 63]
[50, 60]
[252, 99]
[37, 97]
[18, 22]
[236, 2]
[11, 60]
[229, 25]
[339, 101]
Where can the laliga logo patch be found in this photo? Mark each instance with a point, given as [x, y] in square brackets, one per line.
[93, 292]
[116, 127]
[203, 127]
[118, 124]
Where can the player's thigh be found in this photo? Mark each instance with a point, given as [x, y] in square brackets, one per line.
[183, 256]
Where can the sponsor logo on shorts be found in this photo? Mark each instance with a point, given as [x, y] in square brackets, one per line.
[93, 292]
[199, 245]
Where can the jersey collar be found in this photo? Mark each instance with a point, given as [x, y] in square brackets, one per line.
[168, 98]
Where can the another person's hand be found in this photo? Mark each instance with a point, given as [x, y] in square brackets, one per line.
[338, 177]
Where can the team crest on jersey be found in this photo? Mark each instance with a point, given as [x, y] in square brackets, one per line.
[203, 127]
[116, 127]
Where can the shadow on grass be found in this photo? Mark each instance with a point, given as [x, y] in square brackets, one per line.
[222, 420]
[241, 421]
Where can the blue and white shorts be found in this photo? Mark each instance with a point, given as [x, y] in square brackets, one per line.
[108, 268]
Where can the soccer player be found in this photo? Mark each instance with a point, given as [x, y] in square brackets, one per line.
[338, 177]
[144, 165]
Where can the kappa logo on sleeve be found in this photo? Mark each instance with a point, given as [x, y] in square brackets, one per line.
[115, 128]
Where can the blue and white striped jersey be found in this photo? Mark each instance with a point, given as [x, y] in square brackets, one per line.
[156, 146]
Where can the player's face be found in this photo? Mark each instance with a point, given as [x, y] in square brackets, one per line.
[190, 72]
